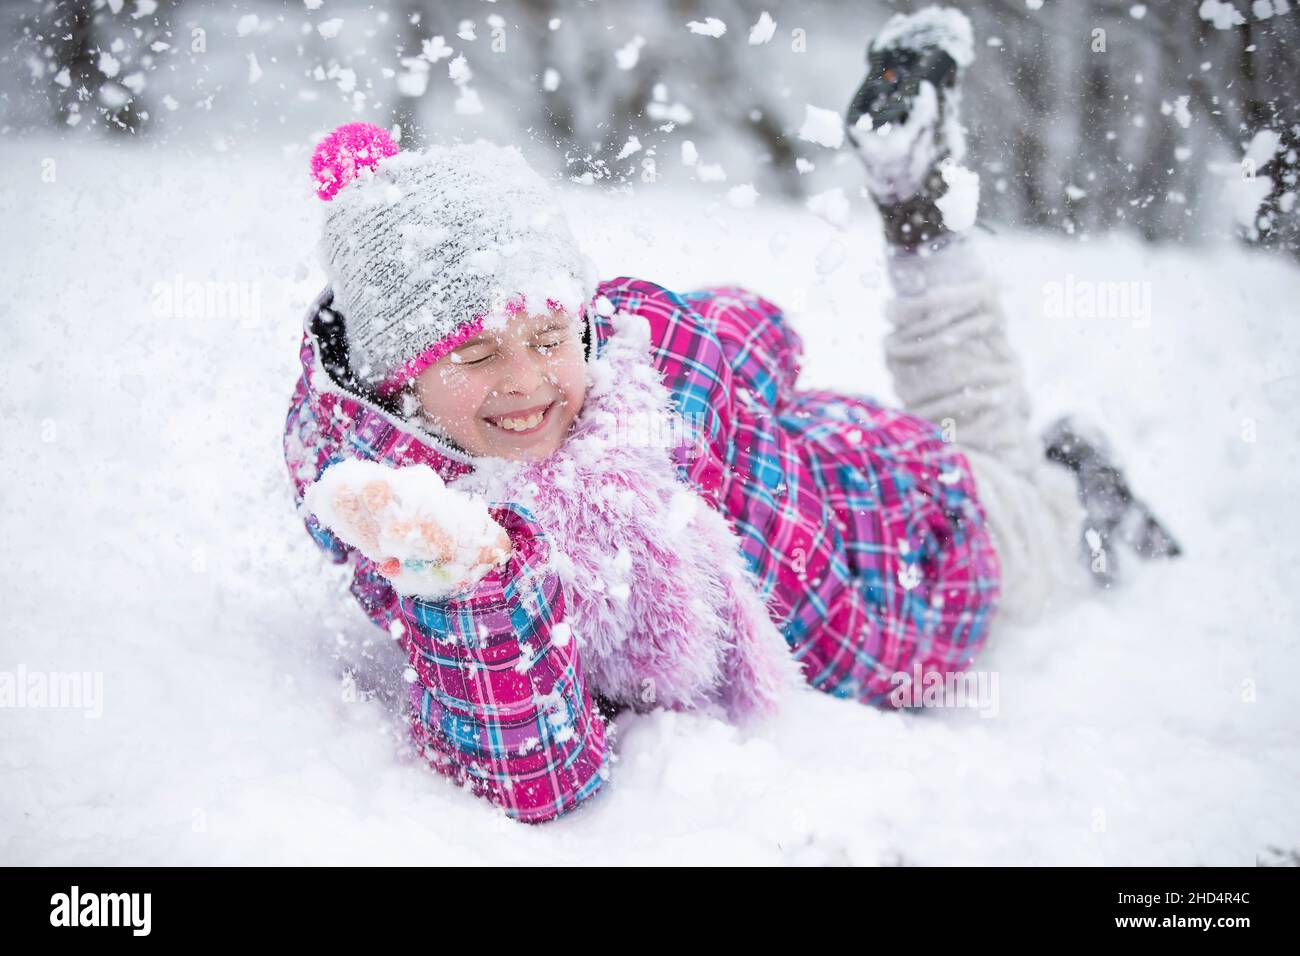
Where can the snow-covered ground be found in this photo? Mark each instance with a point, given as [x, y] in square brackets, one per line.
[149, 538]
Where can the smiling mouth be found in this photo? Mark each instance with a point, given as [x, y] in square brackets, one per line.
[525, 423]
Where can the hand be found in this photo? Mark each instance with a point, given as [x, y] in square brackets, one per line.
[427, 539]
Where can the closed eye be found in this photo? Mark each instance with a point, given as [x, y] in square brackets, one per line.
[559, 335]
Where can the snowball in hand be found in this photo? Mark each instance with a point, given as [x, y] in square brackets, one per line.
[429, 540]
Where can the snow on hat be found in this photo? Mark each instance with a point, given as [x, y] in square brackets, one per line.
[426, 249]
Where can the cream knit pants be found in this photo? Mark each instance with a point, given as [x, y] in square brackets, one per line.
[952, 364]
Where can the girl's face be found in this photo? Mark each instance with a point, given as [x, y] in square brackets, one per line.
[510, 392]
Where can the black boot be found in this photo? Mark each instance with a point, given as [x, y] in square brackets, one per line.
[1114, 514]
[903, 131]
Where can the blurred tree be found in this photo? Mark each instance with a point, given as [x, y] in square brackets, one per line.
[1111, 113]
[1084, 116]
[97, 56]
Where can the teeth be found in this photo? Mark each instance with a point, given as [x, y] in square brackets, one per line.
[521, 424]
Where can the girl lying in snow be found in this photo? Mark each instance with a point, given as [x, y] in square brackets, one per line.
[566, 497]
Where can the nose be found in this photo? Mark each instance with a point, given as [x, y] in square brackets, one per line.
[522, 372]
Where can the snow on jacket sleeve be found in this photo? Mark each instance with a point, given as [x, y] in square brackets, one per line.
[500, 702]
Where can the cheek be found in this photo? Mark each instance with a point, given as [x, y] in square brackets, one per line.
[571, 382]
[455, 399]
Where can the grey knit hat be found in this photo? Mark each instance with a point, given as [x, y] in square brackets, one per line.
[426, 249]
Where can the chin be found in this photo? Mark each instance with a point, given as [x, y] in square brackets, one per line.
[535, 453]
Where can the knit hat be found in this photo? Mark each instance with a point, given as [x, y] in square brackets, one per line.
[424, 250]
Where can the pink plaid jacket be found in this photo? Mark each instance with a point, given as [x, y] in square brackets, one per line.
[860, 525]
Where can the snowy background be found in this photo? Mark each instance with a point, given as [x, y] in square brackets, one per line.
[149, 535]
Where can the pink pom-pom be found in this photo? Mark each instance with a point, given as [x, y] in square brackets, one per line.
[343, 152]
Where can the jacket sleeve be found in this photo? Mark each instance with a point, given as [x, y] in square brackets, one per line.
[499, 699]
